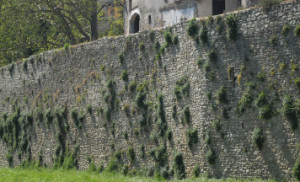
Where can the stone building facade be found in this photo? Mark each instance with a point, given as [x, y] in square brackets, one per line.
[148, 14]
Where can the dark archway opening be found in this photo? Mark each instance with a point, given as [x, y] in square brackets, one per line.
[218, 7]
[136, 24]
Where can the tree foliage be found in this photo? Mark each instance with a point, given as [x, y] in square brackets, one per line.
[31, 26]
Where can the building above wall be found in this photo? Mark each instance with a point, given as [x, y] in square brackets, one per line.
[143, 15]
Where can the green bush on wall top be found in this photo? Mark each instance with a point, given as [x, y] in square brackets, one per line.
[193, 28]
[231, 31]
[168, 38]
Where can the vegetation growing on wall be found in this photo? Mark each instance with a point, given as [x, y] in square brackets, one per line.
[148, 113]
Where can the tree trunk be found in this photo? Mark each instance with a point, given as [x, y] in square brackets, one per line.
[94, 26]
[94, 21]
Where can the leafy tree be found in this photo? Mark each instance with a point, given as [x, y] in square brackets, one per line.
[31, 26]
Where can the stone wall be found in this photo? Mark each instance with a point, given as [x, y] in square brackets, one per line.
[89, 77]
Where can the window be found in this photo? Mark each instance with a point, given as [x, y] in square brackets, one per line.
[218, 7]
[149, 20]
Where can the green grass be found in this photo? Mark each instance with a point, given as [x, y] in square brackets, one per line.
[57, 175]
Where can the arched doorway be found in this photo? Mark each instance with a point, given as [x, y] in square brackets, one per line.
[135, 23]
[218, 7]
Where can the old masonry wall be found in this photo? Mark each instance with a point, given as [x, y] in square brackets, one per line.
[142, 102]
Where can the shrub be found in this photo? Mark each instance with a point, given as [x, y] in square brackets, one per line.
[69, 161]
[160, 109]
[158, 56]
[196, 171]
[162, 49]
[217, 125]
[124, 76]
[169, 134]
[142, 46]
[244, 102]
[231, 22]
[296, 169]
[175, 40]
[154, 136]
[210, 157]
[168, 38]
[192, 137]
[140, 100]
[136, 131]
[289, 111]
[297, 31]
[9, 158]
[131, 154]
[125, 170]
[230, 72]
[110, 84]
[126, 136]
[186, 115]
[100, 168]
[25, 66]
[66, 46]
[200, 61]
[132, 86]
[282, 66]
[174, 112]
[112, 166]
[261, 77]
[207, 140]
[118, 155]
[297, 82]
[161, 155]
[221, 95]
[203, 35]
[182, 88]
[11, 68]
[152, 35]
[40, 115]
[193, 28]
[49, 116]
[81, 117]
[126, 109]
[206, 66]
[74, 115]
[142, 149]
[157, 46]
[165, 173]
[285, 30]
[212, 55]
[143, 86]
[273, 40]
[178, 166]
[258, 138]
[89, 108]
[107, 114]
[261, 100]
[121, 57]
[266, 112]
[267, 4]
